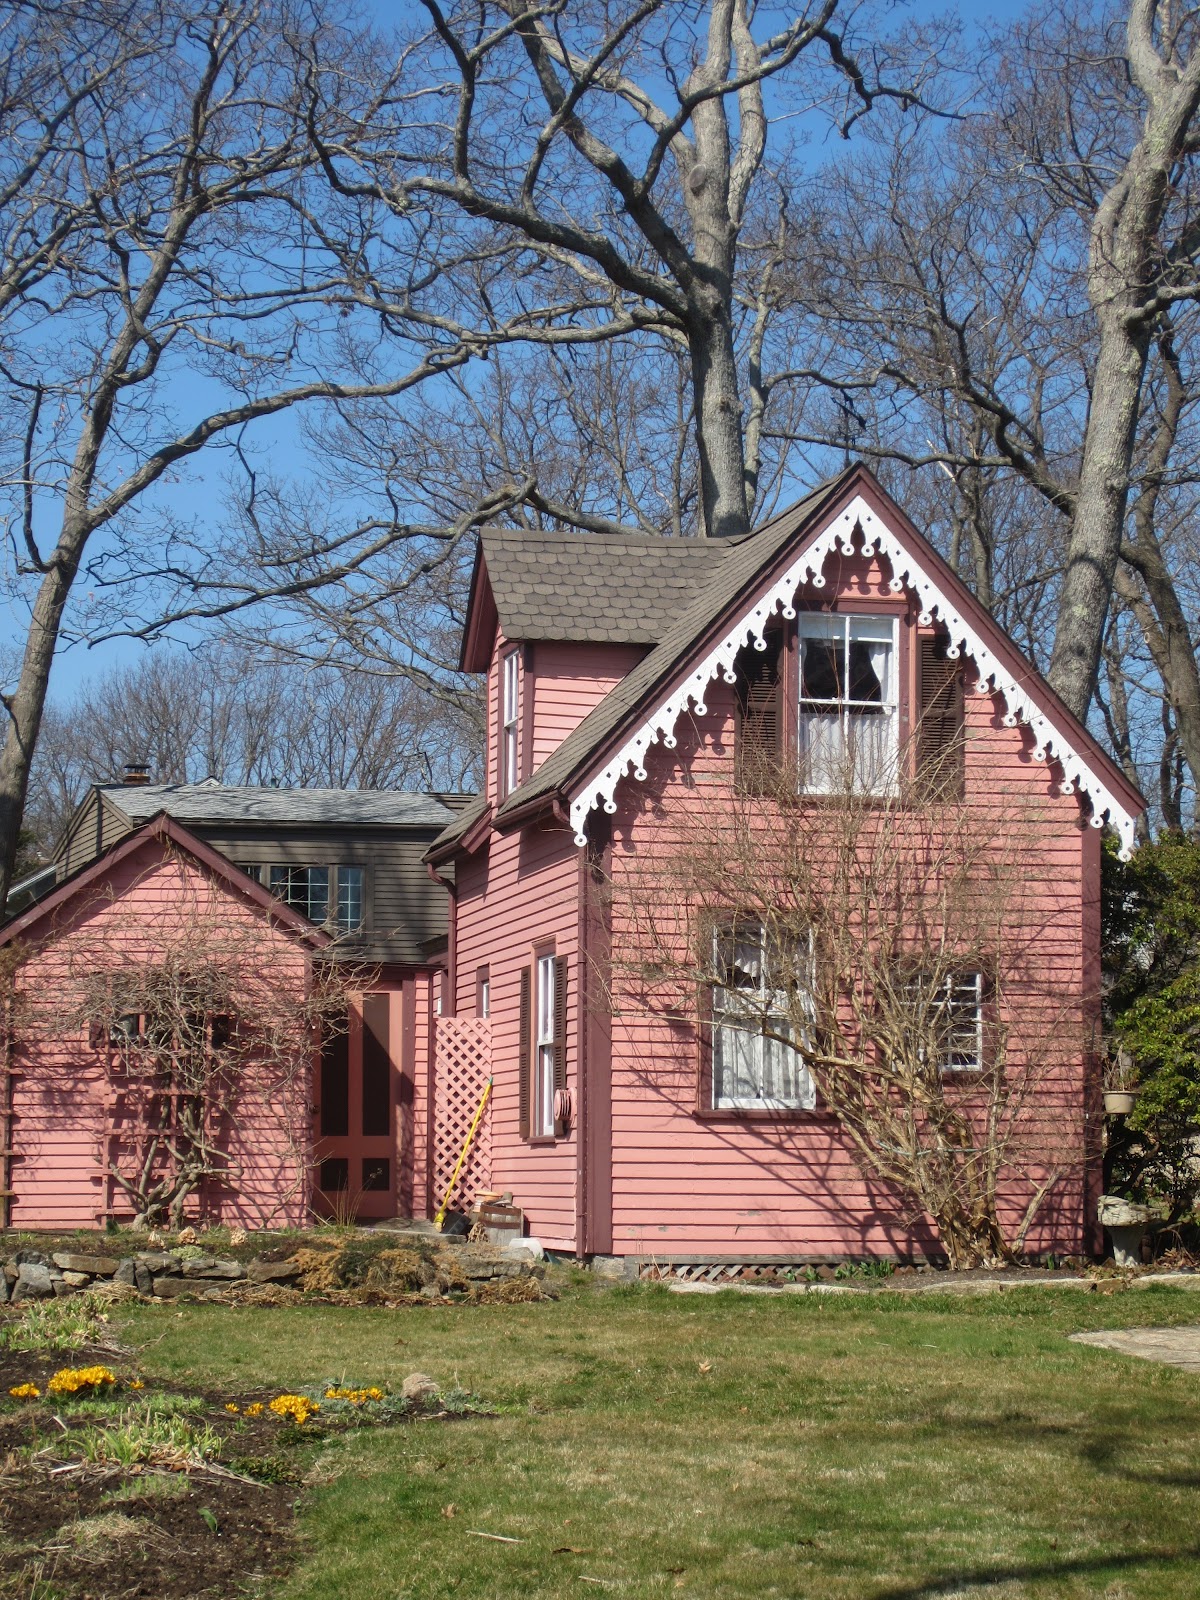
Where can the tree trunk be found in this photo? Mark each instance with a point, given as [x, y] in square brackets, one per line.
[27, 702]
[719, 437]
[1098, 522]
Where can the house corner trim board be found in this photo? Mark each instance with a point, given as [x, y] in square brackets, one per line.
[1050, 741]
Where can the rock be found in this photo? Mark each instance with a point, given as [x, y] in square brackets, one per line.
[3, 1288]
[196, 1266]
[528, 1247]
[186, 1236]
[34, 1281]
[417, 1388]
[143, 1279]
[272, 1271]
[33, 1258]
[207, 1267]
[171, 1288]
[125, 1272]
[94, 1266]
[77, 1279]
[158, 1261]
[62, 1287]
[10, 1271]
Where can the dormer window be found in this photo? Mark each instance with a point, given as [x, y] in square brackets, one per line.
[510, 722]
[848, 719]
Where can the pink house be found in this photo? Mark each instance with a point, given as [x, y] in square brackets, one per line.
[302, 1126]
[637, 689]
[625, 679]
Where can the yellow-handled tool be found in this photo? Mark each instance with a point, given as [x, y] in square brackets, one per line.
[462, 1155]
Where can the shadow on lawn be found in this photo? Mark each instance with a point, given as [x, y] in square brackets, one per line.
[987, 1577]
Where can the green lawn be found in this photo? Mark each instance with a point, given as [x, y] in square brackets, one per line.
[659, 1444]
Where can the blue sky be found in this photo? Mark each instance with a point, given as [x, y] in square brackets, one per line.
[198, 486]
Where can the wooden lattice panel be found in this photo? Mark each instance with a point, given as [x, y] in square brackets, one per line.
[463, 1062]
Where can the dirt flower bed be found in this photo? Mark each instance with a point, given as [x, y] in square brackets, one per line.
[111, 1485]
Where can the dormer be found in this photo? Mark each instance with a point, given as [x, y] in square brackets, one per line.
[556, 621]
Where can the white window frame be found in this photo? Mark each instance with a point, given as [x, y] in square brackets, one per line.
[541, 1109]
[848, 628]
[510, 722]
[759, 1007]
[283, 890]
[963, 1050]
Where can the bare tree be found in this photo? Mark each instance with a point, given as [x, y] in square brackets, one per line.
[886, 954]
[622, 146]
[169, 244]
[1016, 289]
[245, 717]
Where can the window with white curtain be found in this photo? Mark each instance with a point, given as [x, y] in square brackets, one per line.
[848, 704]
[756, 1061]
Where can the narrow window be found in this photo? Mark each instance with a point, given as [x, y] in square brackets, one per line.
[305, 889]
[542, 1124]
[483, 992]
[848, 721]
[349, 899]
[335, 1082]
[510, 742]
[251, 869]
[376, 1067]
[756, 1061]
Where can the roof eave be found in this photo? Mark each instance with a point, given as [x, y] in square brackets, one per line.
[480, 626]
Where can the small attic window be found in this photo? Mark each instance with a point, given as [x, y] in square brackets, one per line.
[510, 723]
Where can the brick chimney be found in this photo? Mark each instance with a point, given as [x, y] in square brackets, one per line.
[137, 774]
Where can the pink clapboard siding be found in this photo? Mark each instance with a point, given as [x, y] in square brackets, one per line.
[63, 1088]
[674, 1182]
[567, 681]
[686, 1185]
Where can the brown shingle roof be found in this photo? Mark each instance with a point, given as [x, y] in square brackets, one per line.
[583, 587]
[731, 567]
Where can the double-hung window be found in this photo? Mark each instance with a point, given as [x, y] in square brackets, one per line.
[848, 704]
[757, 1062]
[949, 1013]
[541, 1123]
[510, 722]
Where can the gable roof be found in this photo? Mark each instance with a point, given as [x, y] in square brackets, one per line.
[230, 803]
[643, 707]
[166, 830]
[581, 587]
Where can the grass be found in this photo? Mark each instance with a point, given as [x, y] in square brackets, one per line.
[657, 1444]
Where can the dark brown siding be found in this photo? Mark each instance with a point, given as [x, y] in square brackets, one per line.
[405, 913]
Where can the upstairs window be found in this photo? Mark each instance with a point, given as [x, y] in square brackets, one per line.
[304, 889]
[757, 1062]
[510, 723]
[332, 894]
[349, 899]
[848, 704]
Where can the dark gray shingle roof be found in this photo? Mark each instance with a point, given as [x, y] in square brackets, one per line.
[584, 586]
[216, 803]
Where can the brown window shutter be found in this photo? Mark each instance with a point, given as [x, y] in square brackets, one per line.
[560, 1039]
[940, 752]
[759, 695]
[524, 1052]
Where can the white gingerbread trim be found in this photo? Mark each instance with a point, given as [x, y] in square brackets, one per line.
[1050, 742]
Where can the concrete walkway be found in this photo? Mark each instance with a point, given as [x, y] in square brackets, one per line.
[1176, 1347]
[967, 1286]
